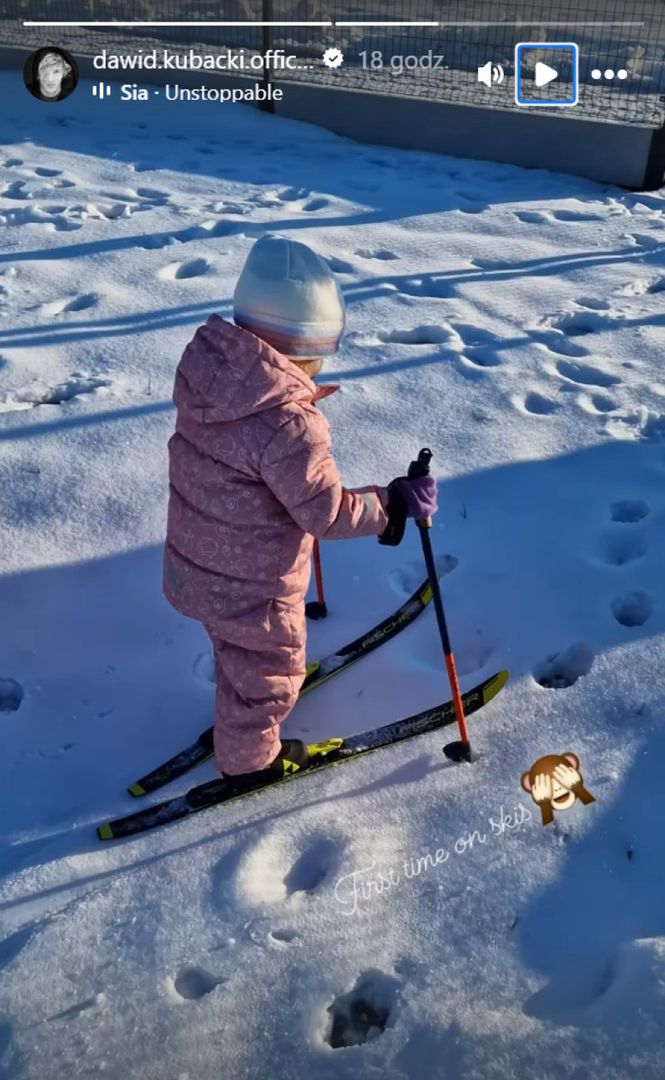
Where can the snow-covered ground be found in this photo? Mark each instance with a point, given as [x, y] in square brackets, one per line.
[511, 320]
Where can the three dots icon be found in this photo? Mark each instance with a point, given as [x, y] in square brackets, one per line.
[609, 74]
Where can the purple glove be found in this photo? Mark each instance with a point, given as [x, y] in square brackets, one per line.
[419, 496]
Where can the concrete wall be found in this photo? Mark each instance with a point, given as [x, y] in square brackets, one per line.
[630, 156]
[611, 153]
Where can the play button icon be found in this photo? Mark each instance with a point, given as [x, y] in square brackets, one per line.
[545, 74]
[540, 64]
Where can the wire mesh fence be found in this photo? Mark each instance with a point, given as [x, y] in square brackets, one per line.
[433, 51]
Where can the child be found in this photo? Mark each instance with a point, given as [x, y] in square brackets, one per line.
[252, 482]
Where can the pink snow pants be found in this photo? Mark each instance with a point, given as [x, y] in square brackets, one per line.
[260, 668]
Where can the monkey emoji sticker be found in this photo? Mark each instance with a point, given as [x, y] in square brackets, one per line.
[555, 783]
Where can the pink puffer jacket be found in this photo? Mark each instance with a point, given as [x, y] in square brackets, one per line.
[252, 479]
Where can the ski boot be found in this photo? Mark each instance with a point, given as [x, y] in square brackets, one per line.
[293, 756]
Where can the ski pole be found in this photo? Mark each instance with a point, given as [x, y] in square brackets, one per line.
[461, 750]
[316, 609]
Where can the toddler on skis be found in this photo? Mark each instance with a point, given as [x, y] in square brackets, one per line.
[252, 482]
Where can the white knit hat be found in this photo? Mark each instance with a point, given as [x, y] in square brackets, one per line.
[288, 297]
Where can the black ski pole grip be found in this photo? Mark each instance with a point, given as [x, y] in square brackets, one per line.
[394, 533]
[421, 466]
[418, 469]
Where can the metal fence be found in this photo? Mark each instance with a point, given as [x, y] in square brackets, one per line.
[459, 36]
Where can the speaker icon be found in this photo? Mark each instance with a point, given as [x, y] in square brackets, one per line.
[491, 74]
[102, 90]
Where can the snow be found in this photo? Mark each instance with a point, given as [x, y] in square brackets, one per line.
[510, 320]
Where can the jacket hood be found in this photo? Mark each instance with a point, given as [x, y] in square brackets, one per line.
[227, 373]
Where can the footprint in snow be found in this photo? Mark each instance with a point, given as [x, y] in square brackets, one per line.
[563, 669]
[263, 933]
[533, 217]
[153, 195]
[556, 342]
[597, 404]
[471, 655]
[585, 374]
[182, 271]
[274, 871]
[592, 303]
[633, 608]
[481, 263]
[621, 548]
[308, 201]
[207, 230]
[629, 510]
[16, 190]
[192, 983]
[292, 194]
[53, 755]
[481, 356]
[157, 241]
[364, 1012]
[644, 240]
[474, 336]
[419, 335]
[11, 695]
[40, 394]
[384, 254]
[428, 287]
[34, 216]
[576, 215]
[111, 212]
[480, 346]
[580, 323]
[536, 404]
[339, 266]
[311, 867]
[48, 172]
[64, 307]
[316, 204]
[224, 207]
[407, 579]
[283, 936]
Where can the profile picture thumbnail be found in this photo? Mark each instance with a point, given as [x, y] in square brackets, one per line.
[51, 74]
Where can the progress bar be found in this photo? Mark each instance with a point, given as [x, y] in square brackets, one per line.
[153, 22]
[482, 25]
[330, 22]
[347, 22]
